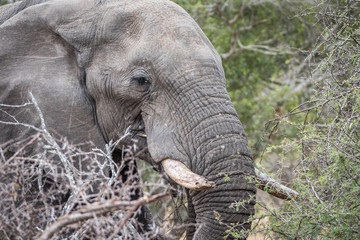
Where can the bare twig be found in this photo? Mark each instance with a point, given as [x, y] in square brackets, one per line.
[99, 209]
[15, 106]
[274, 188]
[53, 143]
[21, 124]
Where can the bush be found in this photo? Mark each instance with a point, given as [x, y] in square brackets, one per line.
[327, 143]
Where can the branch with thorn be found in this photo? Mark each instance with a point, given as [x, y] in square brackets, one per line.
[100, 209]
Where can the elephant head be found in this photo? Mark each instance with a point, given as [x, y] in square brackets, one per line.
[98, 68]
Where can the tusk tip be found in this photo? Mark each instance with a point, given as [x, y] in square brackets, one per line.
[183, 176]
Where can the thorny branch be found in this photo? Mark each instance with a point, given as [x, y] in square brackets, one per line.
[98, 209]
[53, 143]
[269, 185]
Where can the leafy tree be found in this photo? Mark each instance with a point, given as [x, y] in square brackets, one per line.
[327, 143]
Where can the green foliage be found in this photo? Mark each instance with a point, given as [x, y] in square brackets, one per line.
[3, 2]
[327, 142]
[226, 178]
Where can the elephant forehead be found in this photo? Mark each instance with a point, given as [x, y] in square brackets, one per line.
[159, 19]
[149, 25]
[159, 11]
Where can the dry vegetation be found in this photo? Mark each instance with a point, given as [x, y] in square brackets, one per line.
[61, 190]
[41, 197]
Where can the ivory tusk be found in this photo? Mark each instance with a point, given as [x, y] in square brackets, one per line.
[183, 176]
[141, 135]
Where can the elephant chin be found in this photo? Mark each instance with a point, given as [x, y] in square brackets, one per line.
[183, 176]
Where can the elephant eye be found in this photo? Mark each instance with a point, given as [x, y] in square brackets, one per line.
[141, 80]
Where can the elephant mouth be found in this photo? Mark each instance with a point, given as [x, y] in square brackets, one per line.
[138, 126]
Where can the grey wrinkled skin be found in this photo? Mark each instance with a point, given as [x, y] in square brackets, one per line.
[98, 67]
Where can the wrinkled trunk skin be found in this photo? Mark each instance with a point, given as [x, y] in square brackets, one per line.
[202, 130]
[219, 151]
[228, 162]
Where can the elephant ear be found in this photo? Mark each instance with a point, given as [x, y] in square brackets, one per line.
[9, 10]
[36, 57]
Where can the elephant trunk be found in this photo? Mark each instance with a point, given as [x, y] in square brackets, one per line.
[223, 157]
[216, 211]
[198, 126]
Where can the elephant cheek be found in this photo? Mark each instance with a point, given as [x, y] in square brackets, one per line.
[162, 143]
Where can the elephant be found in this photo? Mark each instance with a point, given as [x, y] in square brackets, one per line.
[100, 67]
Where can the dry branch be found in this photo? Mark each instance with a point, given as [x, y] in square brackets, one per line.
[272, 187]
[53, 143]
[99, 209]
